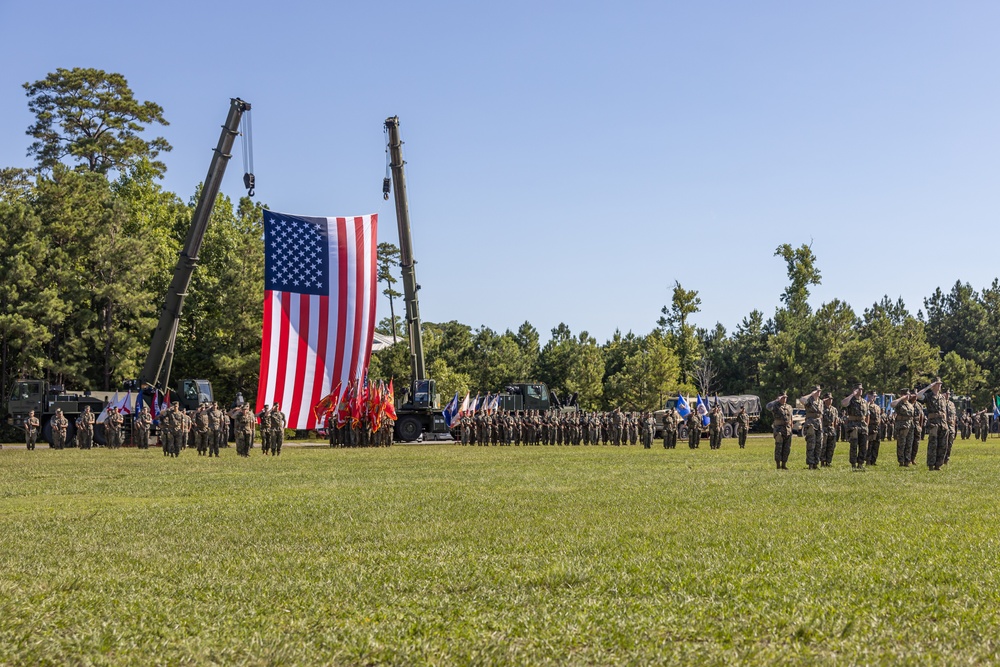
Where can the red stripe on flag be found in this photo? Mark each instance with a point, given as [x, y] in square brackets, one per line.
[359, 301]
[300, 357]
[265, 351]
[340, 340]
[283, 326]
[318, 391]
[373, 293]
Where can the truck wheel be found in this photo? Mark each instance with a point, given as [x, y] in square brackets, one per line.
[408, 429]
[683, 434]
[727, 431]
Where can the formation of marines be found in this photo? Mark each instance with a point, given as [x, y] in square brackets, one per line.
[928, 412]
[360, 432]
[552, 427]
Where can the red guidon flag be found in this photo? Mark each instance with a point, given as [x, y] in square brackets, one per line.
[319, 309]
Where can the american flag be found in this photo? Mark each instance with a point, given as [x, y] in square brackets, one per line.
[319, 309]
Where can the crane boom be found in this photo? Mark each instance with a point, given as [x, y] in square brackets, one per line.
[410, 286]
[156, 369]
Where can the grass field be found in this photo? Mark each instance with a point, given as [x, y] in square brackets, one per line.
[449, 555]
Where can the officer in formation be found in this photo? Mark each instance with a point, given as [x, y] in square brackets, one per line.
[812, 428]
[904, 426]
[113, 428]
[876, 428]
[59, 425]
[856, 413]
[694, 429]
[31, 426]
[244, 423]
[170, 426]
[742, 426]
[264, 430]
[142, 425]
[715, 423]
[221, 422]
[952, 419]
[671, 424]
[201, 429]
[981, 424]
[936, 403]
[831, 425]
[781, 414]
[274, 422]
[648, 430]
[85, 429]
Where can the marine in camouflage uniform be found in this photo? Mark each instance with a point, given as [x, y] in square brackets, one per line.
[648, 428]
[694, 429]
[984, 425]
[965, 425]
[917, 427]
[856, 413]
[264, 430]
[245, 423]
[812, 428]
[276, 422]
[874, 424]
[186, 423]
[937, 423]
[952, 419]
[715, 427]
[742, 426]
[31, 426]
[781, 412]
[202, 430]
[113, 429]
[85, 428]
[671, 420]
[214, 429]
[831, 426]
[59, 425]
[904, 417]
[143, 422]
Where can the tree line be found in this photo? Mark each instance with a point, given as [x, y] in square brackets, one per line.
[91, 238]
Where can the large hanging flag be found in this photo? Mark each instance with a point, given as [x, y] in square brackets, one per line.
[682, 407]
[319, 309]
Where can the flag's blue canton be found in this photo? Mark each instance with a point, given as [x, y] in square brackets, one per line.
[296, 258]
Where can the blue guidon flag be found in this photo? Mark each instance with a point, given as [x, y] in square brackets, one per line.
[319, 309]
[701, 407]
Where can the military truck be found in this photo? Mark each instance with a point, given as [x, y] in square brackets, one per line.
[730, 408]
[533, 395]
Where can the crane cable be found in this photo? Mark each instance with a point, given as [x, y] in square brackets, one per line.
[246, 131]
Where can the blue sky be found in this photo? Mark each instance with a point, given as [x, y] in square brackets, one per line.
[568, 161]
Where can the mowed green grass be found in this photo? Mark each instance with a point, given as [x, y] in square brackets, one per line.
[443, 554]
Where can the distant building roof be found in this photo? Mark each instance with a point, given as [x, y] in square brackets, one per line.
[381, 341]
